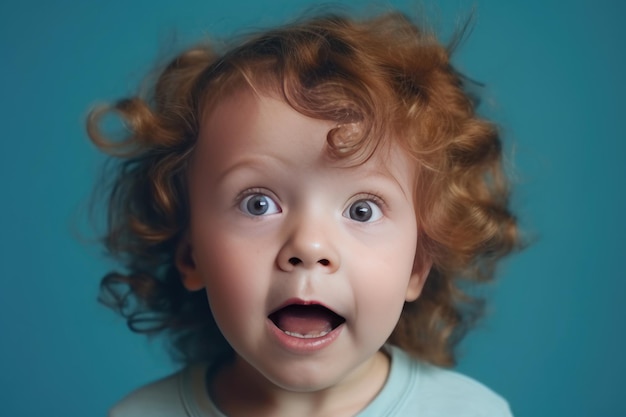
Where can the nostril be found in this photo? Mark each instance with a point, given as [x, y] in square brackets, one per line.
[324, 262]
[294, 261]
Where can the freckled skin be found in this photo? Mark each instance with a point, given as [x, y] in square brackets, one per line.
[310, 244]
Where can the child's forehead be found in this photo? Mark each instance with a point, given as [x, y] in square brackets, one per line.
[245, 104]
[250, 121]
[252, 117]
[231, 95]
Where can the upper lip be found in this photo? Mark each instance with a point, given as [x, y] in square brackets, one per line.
[299, 301]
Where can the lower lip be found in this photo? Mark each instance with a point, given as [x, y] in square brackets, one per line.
[302, 345]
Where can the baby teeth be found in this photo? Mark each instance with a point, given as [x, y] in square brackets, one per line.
[307, 336]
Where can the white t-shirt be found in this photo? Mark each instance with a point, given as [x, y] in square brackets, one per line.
[413, 388]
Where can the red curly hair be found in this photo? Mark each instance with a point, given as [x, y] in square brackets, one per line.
[387, 76]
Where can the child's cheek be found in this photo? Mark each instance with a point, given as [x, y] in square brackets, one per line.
[233, 267]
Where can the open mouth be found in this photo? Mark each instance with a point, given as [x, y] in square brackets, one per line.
[306, 321]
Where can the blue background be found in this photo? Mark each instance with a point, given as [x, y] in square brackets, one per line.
[554, 339]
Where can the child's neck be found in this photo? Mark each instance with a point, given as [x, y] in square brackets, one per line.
[239, 390]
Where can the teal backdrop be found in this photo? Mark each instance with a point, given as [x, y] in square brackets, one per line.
[553, 341]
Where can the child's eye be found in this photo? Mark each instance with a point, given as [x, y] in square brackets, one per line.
[259, 205]
[363, 211]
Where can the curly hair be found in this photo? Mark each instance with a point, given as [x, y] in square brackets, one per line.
[387, 75]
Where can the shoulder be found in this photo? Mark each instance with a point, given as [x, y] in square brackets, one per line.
[443, 392]
[159, 398]
[461, 395]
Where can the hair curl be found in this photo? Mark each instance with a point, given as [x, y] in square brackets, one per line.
[385, 75]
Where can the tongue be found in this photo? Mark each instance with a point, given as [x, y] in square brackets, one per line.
[304, 320]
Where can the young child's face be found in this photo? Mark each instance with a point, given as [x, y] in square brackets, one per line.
[307, 261]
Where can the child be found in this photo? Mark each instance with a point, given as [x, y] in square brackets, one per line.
[299, 214]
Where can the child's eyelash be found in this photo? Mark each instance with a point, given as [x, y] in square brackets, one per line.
[369, 196]
[251, 191]
[376, 198]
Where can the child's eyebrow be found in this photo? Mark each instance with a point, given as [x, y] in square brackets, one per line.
[252, 163]
[257, 163]
[386, 175]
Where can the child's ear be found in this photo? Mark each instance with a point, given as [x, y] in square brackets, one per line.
[417, 280]
[186, 265]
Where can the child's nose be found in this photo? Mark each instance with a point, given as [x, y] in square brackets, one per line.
[308, 246]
